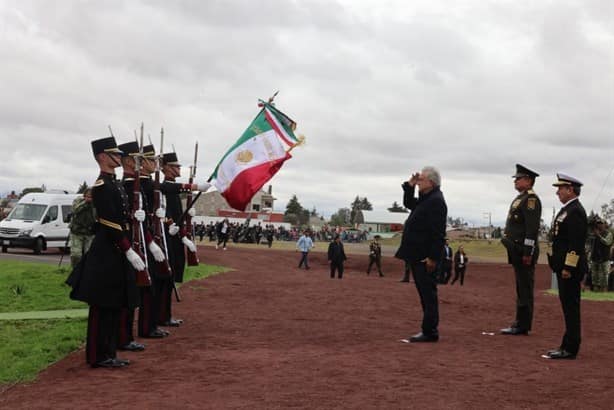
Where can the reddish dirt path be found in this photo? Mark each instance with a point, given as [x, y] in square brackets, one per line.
[270, 336]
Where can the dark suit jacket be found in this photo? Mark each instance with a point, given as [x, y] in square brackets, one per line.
[457, 261]
[425, 228]
[569, 234]
[336, 254]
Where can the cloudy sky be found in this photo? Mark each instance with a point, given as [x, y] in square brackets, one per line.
[379, 88]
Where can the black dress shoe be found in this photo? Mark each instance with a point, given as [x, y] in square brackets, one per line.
[156, 334]
[172, 323]
[133, 347]
[109, 364]
[421, 338]
[514, 331]
[561, 354]
[124, 362]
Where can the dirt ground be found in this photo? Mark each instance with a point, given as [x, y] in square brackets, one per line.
[270, 336]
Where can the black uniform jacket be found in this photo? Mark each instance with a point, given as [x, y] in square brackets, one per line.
[174, 211]
[425, 228]
[104, 277]
[336, 254]
[569, 234]
[522, 227]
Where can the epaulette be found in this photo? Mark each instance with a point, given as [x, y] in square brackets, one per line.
[531, 192]
[128, 179]
[99, 182]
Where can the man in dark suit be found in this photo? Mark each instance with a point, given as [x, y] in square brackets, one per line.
[336, 257]
[422, 244]
[520, 238]
[446, 271]
[568, 261]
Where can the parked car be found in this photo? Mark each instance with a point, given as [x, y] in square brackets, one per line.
[38, 221]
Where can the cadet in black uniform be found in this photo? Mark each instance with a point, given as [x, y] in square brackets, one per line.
[105, 276]
[176, 238]
[568, 261]
[151, 296]
[375, 255]
[520, 238]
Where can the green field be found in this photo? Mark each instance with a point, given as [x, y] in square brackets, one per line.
[28, 346]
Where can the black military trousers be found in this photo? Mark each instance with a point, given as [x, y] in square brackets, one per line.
[569, 295]
[126, 326]
[378, 263]
[336, 266]
[427, 289]
[149, 310]
[102, 334]
[525, 282]
[166, 300]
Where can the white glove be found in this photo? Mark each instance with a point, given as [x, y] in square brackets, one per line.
[204, 186]
[139, 215]
[156, 251]
[161, 213]
[173, 229]
[192, 212]
[135, 260]
[188, 244]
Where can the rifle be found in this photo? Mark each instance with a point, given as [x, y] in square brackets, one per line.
[192, 258]
[158, 226]
[138, 235]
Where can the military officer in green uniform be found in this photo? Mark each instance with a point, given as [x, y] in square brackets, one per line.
[520, 238]
[81, 226]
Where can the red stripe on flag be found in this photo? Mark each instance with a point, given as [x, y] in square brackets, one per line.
[273, 124]
[243, 187]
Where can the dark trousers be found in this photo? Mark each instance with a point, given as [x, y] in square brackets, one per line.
[569, 295]
[222, 239]
[126, 325]
[304, 260]
[336, 266]
[102, 334]
[149, 309]
[378, 263]
[459, 273]
[166, 300]
[525, 281]
[447, 272]
[427, 289]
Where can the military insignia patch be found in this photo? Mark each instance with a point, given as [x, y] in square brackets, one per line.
[516, 203]
[99, 182]
[531, 203]
[571, 259]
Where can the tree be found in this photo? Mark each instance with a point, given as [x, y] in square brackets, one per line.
[397, 208]
[294, 211]
[314, 212]
[359, 205]
[341, 217]
[31, 189]
[607, 212]
[82, 188]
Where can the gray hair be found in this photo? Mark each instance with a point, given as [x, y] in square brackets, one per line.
[432, 174]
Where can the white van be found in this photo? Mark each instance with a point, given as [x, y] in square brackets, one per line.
[38, 221]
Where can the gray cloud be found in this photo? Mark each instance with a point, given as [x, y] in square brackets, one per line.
[379, 89]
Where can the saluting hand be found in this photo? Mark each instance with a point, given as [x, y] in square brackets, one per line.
[413, 179]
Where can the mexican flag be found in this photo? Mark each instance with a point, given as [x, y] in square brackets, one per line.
[255, 157]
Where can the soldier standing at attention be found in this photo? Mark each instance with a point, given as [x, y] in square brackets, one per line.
[520, 238]
[81, 226]
[176, 232]
[600, 254]
[568, 261]
[106, 280]
[375, 255]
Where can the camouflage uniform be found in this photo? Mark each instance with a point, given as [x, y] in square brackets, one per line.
[81, 229]
[600, 263]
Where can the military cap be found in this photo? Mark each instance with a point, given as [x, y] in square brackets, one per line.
[107, 144]
[129, 148]
[170, 158]
[522, 171]
[563, 179]
[377, 236]
[149, 151]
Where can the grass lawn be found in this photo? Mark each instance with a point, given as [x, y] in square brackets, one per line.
[588, 295]
[28, 346]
